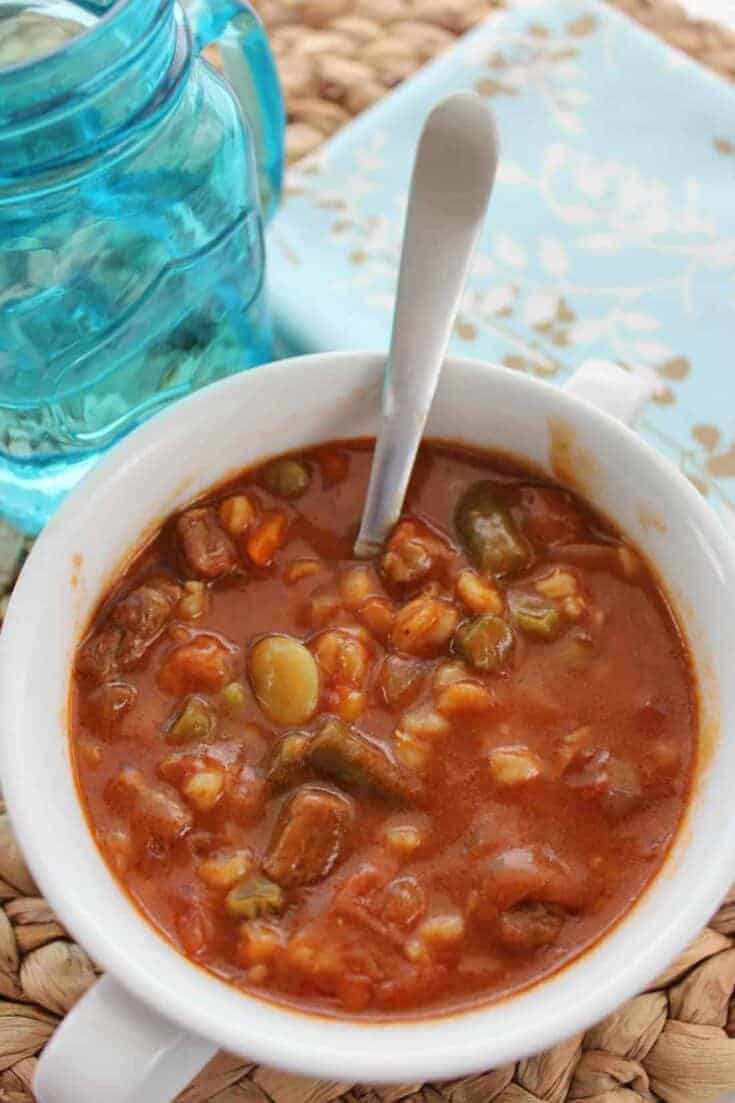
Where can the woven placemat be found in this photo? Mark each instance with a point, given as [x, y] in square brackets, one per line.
[674, 1043]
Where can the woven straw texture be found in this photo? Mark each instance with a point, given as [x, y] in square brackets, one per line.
[675, 1042]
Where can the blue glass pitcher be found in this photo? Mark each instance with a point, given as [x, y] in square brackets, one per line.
[131, 239]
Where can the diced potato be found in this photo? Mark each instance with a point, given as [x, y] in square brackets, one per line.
[486, 642]
[378, 615]
[357, 584]
[204, 787]
[253, 897]
[236, 514]
[343, 659]
[285, 679]
[225, 868]
[491, 537]
[401, 679]
[464, 699]
[267, 537]
[534, 614]
[196, 722]
[351, 759]
[194, 601]
[514, 765]
[204, 665]
[301, 568]
[424, 626]
[477, 594]
[286, 477]
[308, 837]
[559, 583]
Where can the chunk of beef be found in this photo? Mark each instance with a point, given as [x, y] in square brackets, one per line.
[142, 614]
[349, 758]
[530, 925]
[155, 810]
[207, 549]
[308, 837]
[132, 626]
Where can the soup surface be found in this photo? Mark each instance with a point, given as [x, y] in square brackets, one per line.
[390, 787]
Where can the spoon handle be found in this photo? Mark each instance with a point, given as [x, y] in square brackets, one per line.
[452, 179]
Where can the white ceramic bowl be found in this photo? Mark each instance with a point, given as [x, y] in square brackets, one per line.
[156, 1017]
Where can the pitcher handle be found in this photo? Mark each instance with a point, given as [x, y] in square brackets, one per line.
[250, 68]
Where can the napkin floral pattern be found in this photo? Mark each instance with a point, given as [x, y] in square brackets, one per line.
[611, 231]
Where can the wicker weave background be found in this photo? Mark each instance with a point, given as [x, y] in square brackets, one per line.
[676, 1042]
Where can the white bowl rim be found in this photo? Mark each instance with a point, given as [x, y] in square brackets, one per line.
[286, 1050]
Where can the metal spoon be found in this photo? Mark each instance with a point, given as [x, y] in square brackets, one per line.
[452, 179]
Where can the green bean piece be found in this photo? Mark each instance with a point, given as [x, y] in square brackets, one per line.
[490, 536]
[195, 723]
[484, 642]
[533, 614]
[253, 897]
[286, 478]
[289, 762]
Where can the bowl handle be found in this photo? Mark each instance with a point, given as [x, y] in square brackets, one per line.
[111, 1047]
[623, 394]
[612, 389]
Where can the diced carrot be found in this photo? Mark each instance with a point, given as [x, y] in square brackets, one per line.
[267, 538]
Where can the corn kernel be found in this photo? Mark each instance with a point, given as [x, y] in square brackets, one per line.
[204, 788]
[224, 870]
[514, 765]
[237, 514]
[478, 595]
[557, 584]
[301, 568]
[462, 698]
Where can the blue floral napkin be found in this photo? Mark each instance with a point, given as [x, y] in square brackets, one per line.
[611, 231]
